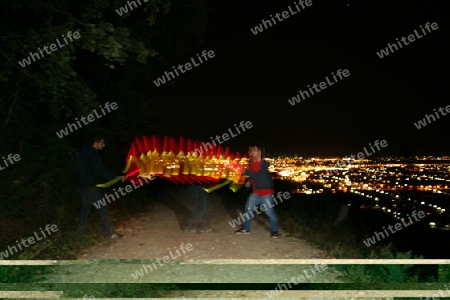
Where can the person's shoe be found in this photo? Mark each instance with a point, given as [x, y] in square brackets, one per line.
[274, 234]
[242, 231]
[205, 230]
[114, 235]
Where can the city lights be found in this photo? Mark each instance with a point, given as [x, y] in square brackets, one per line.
[379, 182]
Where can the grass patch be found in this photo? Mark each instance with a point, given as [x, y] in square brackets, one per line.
[14, 274]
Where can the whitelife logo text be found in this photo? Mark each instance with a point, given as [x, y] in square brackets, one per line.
[90, 118]
[398, 226]
[281, 17]
[318, 87]
[411, 38]
[224, 136]
[161, 80]
[31, 240]
[35, 56]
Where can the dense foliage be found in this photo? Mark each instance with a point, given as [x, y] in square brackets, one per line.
[113, 60]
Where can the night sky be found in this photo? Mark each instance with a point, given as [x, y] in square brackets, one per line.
[252, 77]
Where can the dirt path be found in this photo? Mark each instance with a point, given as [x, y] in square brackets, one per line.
[159, 229]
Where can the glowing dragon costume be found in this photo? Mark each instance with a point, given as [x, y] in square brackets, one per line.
[182, 162]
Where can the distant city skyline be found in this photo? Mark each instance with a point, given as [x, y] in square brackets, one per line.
[395, 187]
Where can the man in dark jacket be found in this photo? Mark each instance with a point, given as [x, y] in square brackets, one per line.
[260, 179]
[90, 169]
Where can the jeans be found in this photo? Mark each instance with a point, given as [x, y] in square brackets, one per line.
[88, 197]
[250, 209]
[201, 217]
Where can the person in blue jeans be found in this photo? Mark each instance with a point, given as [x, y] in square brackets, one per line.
[261, 182]
[89, 169]
[201, 217]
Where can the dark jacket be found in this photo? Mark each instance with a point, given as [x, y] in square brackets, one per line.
[263, 178]
[91, 168]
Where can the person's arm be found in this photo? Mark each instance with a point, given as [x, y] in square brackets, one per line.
[100, 171]
[247, 182]
[106, 174]
[262, 173]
